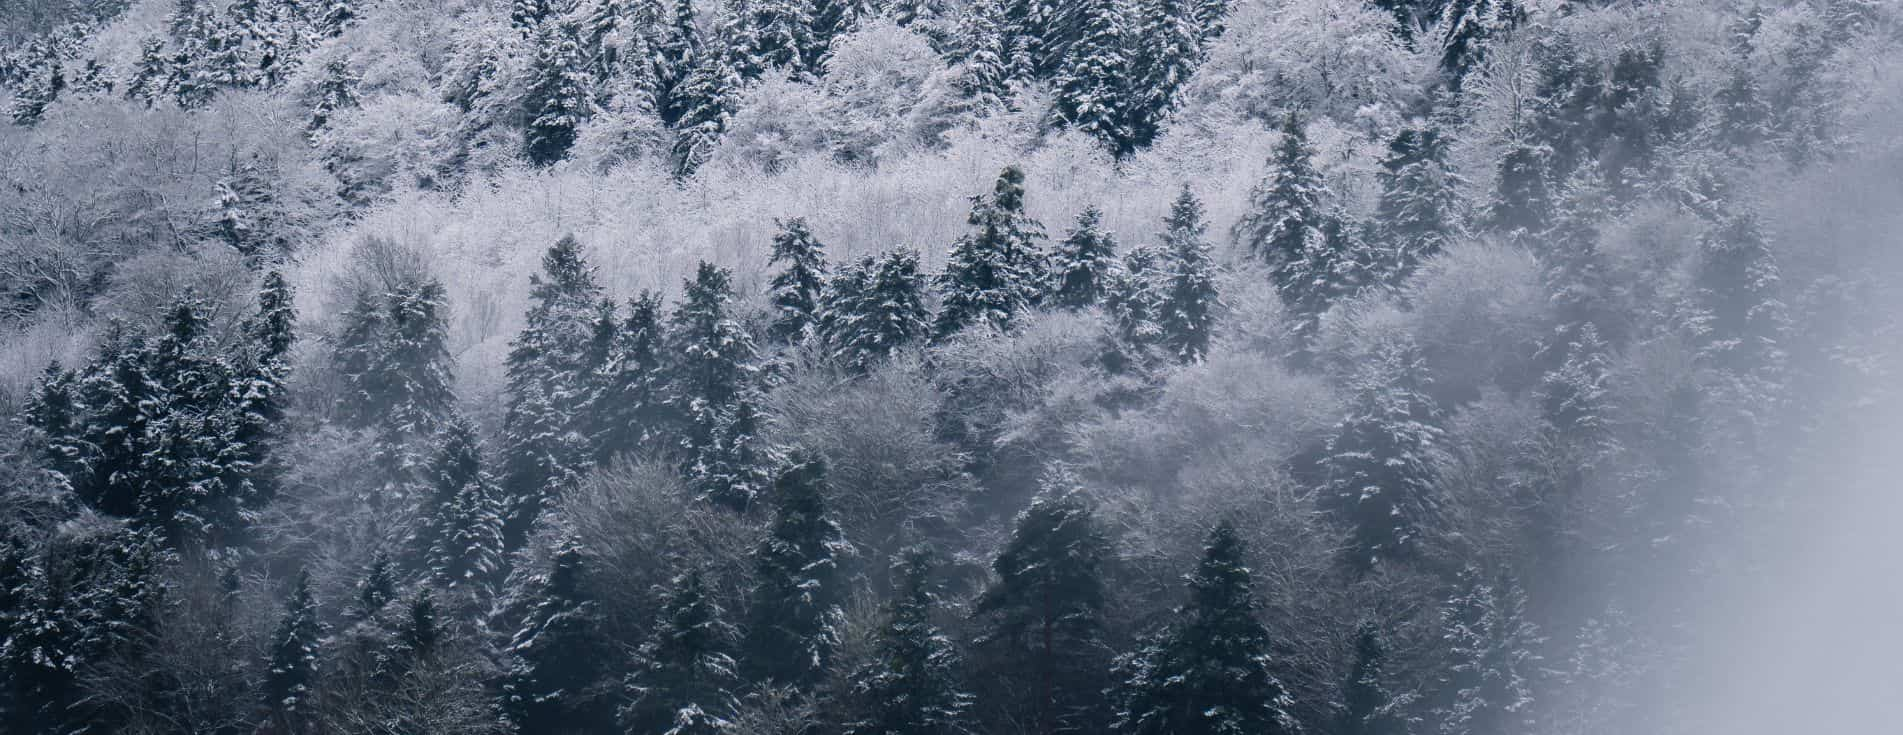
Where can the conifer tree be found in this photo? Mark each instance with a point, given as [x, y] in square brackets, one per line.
[226, 65]
[337, 91]
[796, 618]
[376, 589]
[1521, 202]
[912, 687]
[412, 388]
[526, 16]
[796, 289]
[735, 466]
[1082, 265]
[985, 78]
[1186, 314]
[1467, 28]
[554, 681]
[149, 73]
[1285, 216]
[1092, 80]
[1574, 269]
[1368, 707]
[628, 410]
[335, 16]
[291, 670]
[558, 99]
[1380, 463]
[1418, 212]
[683, 674]
[874, 307]
[707, 99]
[461, 538]
[41, 652]
[1165, 50]
[1210, 674]
[1741, 319]
[57, 418]
[41, 90]
[1486, 690]
[712, 356]
[546, 444]
[677, 56]
[1043, 615]
[1743, 116]
[777, 34]
[995, 272]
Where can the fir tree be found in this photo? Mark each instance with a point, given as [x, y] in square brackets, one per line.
[554, 682]
[40, 655]
[1521, 202]
[57, 417]
[1285, 217]
[994, 273]
[1486, 690]
[677, 56]
[410, 369]
[1092, 80]
[376, 589]
[797, 289]
[291, 669]
[337, 91]
[1743, 116]
[1186, 314]
[1467, 28]
[149, 73]
[526, 16]
[1210, 674]
[874, 307]
[796, 617]
[1043, 615]
[1166, 48]
[683, 673]
[735, 466]
[1083, 263]
[461, 538]
[40, 91]
[558, 99]
[335, 16]
[985, 78]
[912, 687]
[546, 445]
[246, 218]
[1740, 319]
[776, 34]
[712, 353]
[1380, 462]
[1418, 212]
[1368, 708]
[628, 410]
[707, 99]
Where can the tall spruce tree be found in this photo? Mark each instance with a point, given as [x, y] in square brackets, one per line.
[1418, 214]
[676, 56]
[1741, 319]
[1521, 202]
[628, 411]
[147, 84]
[874, 307]
[1368, 707]
[1092, 84]
[683, 675]
[291, 669]
[1467, 30]
[1285, 215]
[736, 465]
[912, 686]
[546, 444]
[1043, 614]
[1379, 465]
[796, 616]
[707, 99]
[798, 288]
[1487, 687]
[554, 682]
[1187, 313]
[1210, 674]
[995, 272]
[712, 356]
[1082, 265]
[1165, 50]
[559, 98]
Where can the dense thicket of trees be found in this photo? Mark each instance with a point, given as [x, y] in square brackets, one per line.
[662, 366]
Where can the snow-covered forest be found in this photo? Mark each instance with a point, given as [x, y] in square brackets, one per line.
[935, 367]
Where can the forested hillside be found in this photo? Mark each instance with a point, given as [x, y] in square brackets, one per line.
[933, 367]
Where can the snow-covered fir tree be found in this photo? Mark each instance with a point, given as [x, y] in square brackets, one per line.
[1369, 707]
[798, 286]
[546, 437]
[874, 307]
[1187, 313]
[291, 668]
[149, 73]
[1285, 215]
[558, 98]
[795, 619]
[1418, 212]
[684, 675]
[1092, 82]
[628, 410]
[912, 687]
[1209, 675]
[706, 100]
[1379, 466]
[1083, 263]
[997, 271]
[1740, 317]
[712, 358]
[1165, 49]
[1043, 613]
[554, 679]
[336, 92]
[735, 466]
[1488, 687]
